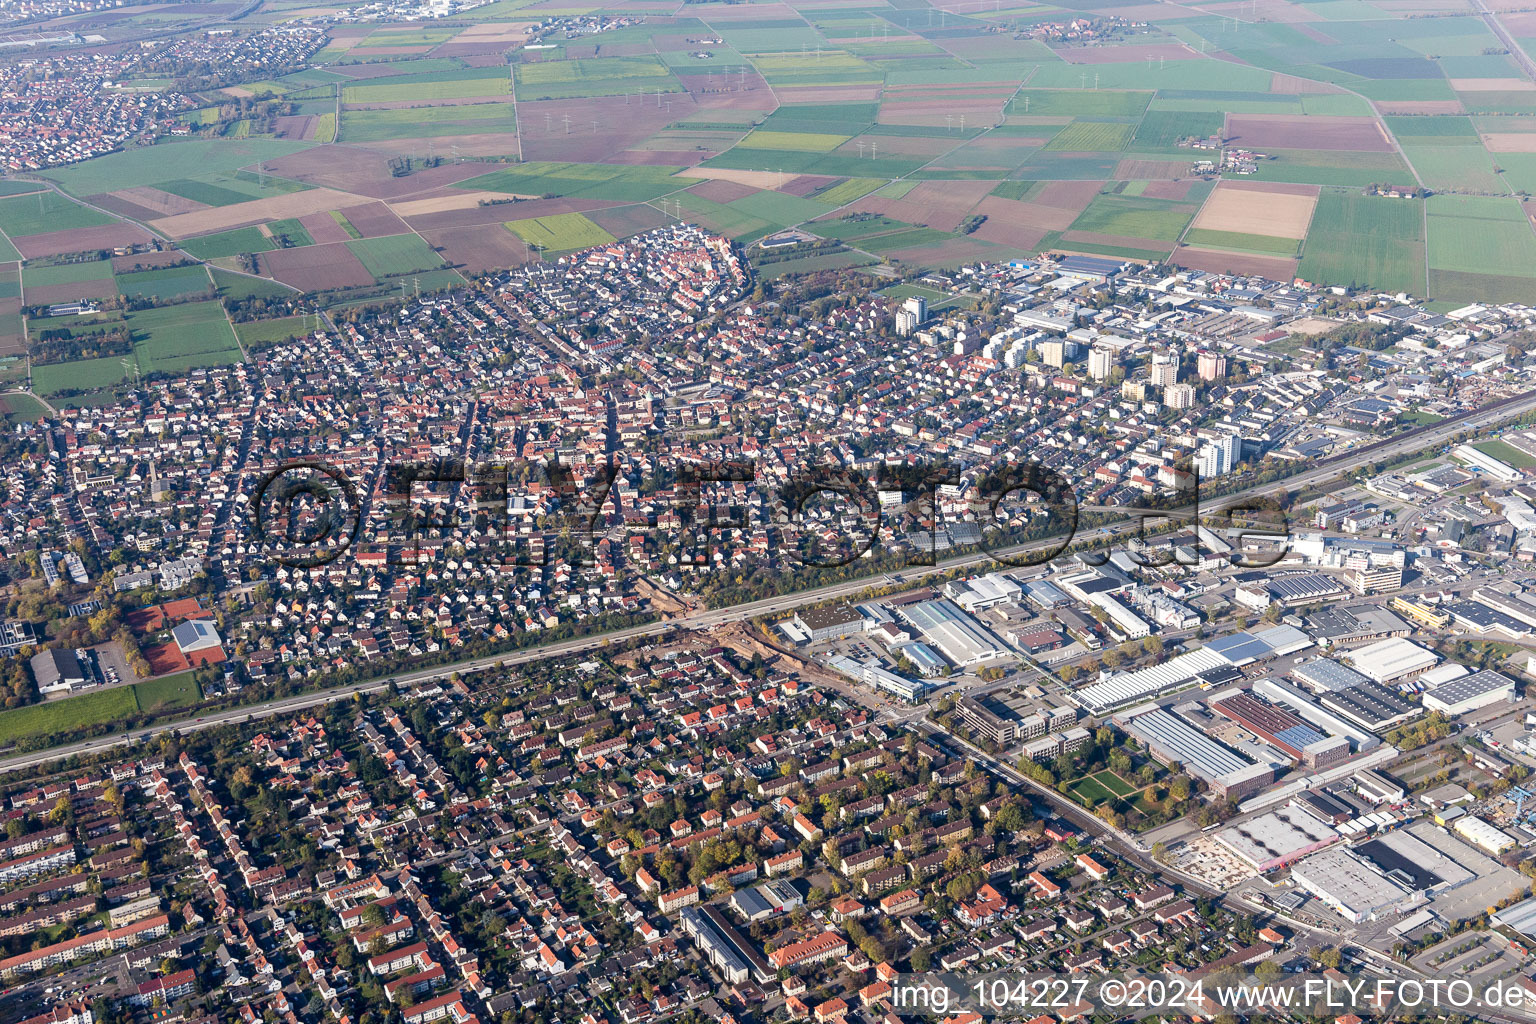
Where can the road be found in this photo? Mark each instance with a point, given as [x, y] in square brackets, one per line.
[1498, 29]
[1326, 469]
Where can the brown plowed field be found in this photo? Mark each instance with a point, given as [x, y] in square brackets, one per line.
[365, 172]
[1254, 210]
[1286, 131]
[163, 203]
[374, 220]
[1272, 267]
[107, 236]
[721, 191]
[322, 227]
[479, 247]
[316, 267]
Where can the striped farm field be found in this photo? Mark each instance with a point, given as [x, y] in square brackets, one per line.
[1092, 137]
[1369, 241]
[797, 142]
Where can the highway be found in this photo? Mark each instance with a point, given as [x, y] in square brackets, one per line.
[1325, 469]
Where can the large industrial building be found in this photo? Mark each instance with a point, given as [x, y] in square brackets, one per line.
[1470, 692]
[1351, 886]
[1271, 841]
[1374, 706]
[832, 622]
[1170, 739]
[1392, 659]
[1269, 722]
[958, 637]
[1322, 674]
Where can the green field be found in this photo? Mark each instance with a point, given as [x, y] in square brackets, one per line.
[238, 287]
[1265, 245]
[1506, 453]
[83, 375]
[110, 706]
[593, 76]
[1454, 167]
[803, 142]
[1079, 103]
[152, 165]
[1135, 217]
[228, 243]
[44, 212]
[1478, 235]
[559, 232]
[289, 231]
[165, 284]
[1366, 241]
[180, 337]
[394, 255]
[66, 273]
[227, 189]
[426, 88]
[1092, 137]
[256, 333]
[168, 693]
[847, 191]
[1162, 129]
[594, 181]
[426, 122]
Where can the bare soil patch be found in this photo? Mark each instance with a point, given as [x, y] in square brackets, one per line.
[322, 227]
[1510, 142]
[1291, 85]
[106, 236]
[374, 220]
[257, 211]
[162, 203]
[1286, 131]
[1272, 267]
[480, 247]
[1257, 211]
[721, 191]
[316, 267]
[1143, 170]
[449, 201]
[365, 172]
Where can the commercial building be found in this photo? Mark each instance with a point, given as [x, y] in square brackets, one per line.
[1263, 719]
[1325, 674]
[1170, 739]
[1351, 886]
[1483, 835]
[832, 622]
[1470, 692]
[1371, 705]
[1271, 841]
[993, 720]
[958, 637]
[985, 592]
[872, 673]
[56, 671]
[1392, 659]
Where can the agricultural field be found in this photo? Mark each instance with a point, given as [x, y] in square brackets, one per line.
[170, 283]
[44, 213]
[394, 255]
[257, 333]
[593, 76]
[559, 233]
[180, 337]
[1367, 241]
[946, 130]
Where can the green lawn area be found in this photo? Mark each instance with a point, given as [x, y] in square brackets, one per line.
[62, 716]
[1090, 792]
[1366, 241]
[463, 87]
[1114, 783]
[66, 273]
[242, 286]
[22, 408]
[168, 692]
[228, 243]
[180, 337]
[83, 374]
[47, 211]
[165, 283]
[1270, 245]
[393, 255]
[560, 232]
[168, 161]
[256, 333]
